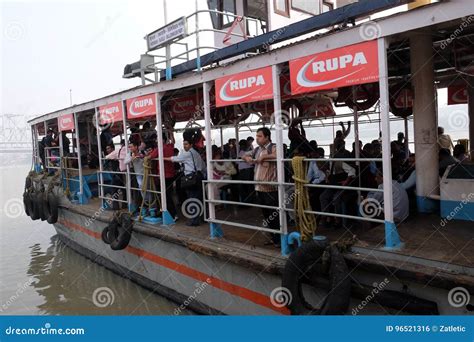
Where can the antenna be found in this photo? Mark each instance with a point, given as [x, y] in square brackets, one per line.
[70, 97]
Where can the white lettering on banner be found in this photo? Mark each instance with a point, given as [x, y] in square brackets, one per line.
[111, 110]
[339, 62]
[142, 103]
[247, 83]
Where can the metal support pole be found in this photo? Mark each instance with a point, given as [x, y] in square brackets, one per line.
[392, 239]
[89, 136]
[128, 178]
[167, 219]
[470, 95]
[276, 69]
[80, 195]
[216, 229]
[198, 53]
[99, 144]
[356, 140]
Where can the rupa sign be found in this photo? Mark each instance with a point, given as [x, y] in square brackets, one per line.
[176, 29]
[250, 86]
[110, 113]
[350, 65]
[457, 94]
[141, 106]
[66, 122]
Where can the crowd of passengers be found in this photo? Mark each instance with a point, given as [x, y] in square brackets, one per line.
[253, 159]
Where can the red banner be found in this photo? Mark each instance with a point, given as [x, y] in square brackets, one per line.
[66, 122]
[249, 86]
[457, 94]
[183, 108]
[141, 106]
[350, 65]
[110, 113]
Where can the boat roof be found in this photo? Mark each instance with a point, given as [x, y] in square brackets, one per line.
[422, 17]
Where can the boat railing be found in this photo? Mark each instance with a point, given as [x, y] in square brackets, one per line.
[164, 59]
[285, 206]
[52, 157]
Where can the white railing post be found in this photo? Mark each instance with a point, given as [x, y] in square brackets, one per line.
[216, 229]
[392, 239]
[80, 195]
[280, 165]
[167, 219]
[99, 145]
[128, 178]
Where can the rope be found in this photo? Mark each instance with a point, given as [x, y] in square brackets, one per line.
[306, 221]
[146, 173]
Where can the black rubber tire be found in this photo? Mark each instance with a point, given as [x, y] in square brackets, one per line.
[39, 203]
[110, 232]
[124, 233]
[50, 208]
[296, 268]
[35, 209]
[27, 204]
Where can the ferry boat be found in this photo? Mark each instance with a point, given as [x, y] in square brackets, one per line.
[285, 65]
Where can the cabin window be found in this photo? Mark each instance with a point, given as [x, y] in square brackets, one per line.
[327, 6]
[220, 21]
[307, 6]
[256, 9]
[282, 7]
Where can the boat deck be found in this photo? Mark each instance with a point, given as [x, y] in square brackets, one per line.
[440, 255]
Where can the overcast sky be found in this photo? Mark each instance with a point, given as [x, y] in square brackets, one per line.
[51, 47]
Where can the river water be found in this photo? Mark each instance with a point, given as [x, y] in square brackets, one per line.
[39, 275]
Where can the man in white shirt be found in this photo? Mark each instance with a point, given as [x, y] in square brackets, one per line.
[401, 207]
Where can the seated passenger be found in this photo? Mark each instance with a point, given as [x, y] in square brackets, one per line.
[445, 159]
[400, 199]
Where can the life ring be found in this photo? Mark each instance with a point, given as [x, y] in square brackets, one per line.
[291, 105]
[404, 92]
[301, 265]
[366, 96]
[119, 231]
[39, 204]
[50, 207]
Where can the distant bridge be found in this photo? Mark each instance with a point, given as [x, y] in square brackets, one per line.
[15, 134]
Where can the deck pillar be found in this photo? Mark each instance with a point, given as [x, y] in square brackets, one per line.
[470, 96]
[285, 249]
[166, 216]
[392, 239]
[425, 122]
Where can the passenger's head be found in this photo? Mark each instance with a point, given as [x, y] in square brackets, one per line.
[320, 152]
[263, 136]
[110, 148]
[459, 151]
[368, 150]
[243, 144]
[379, 177]
[338, 134]
[400, 136]
[440, 130]
[187, 145]
[411, 159]
[134, 146]
[146, 125]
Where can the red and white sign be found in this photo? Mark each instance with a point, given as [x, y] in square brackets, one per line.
[250, 86]
[141, 106]
[110, 113]
[66, 122]
[404, 99]
[350, 65]
[183, 108]
[457, 94]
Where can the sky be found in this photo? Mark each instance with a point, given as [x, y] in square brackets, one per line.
[48, 48]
